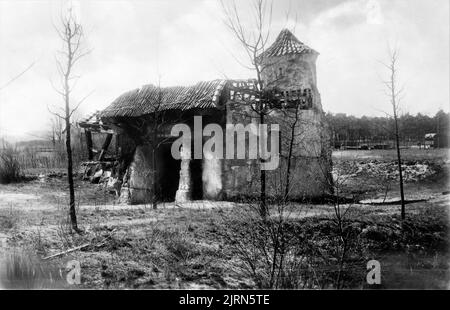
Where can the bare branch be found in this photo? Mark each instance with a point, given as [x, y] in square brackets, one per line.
[55, 113]
[79, 103]
[17, 76]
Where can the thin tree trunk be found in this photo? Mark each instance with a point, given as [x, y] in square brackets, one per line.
[288, 169]
[399, 161]
[71, 34]
[155, 178]
[394, 93]
[289, 159]
[262, 198]
[72, 213]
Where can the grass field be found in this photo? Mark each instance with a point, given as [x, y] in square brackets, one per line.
[212, 244]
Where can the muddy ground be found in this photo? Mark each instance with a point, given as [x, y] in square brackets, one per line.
[183, 246]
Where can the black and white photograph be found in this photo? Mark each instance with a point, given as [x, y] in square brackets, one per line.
[246, 147]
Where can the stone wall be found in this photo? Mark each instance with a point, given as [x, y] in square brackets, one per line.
[138, 187]
[240, 176]
[310, 160]
[291, 72]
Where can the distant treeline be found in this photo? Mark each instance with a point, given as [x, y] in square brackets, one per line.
[352, 130]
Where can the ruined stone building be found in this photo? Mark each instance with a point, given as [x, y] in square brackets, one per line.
[142, 120]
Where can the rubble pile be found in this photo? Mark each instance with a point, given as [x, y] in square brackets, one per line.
[107, 174]
[413, 171]
[45, 177]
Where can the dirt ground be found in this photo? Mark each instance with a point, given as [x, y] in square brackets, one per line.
[178, 246]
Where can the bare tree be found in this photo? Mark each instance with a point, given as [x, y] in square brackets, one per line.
[254, 42]
[394, 92]
[292, 139]
[71, 34]
[56, 131]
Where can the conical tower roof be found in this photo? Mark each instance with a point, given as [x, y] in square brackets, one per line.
[286, 43]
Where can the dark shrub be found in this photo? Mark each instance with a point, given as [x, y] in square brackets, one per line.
[9, 166]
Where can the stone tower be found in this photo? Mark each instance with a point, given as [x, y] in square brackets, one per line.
[290, 65]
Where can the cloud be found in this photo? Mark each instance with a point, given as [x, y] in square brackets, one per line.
[374, 12]
[349, 70]
[134, 42]
[343, 15]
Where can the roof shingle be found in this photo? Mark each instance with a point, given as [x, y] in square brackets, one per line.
[150, 98]
[286, 43]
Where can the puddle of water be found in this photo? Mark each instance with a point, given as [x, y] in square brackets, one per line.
[389, 201]
[20, 270]
[425, 271]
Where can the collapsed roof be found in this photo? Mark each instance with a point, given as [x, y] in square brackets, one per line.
[150, 98]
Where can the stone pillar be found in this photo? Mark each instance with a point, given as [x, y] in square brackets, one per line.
[212, 176]
[141, 179]
[184, 192]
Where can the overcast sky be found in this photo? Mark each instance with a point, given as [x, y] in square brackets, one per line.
[134, 42]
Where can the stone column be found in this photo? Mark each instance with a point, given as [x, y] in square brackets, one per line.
[212, 176]
[141, 176]
[184, 192]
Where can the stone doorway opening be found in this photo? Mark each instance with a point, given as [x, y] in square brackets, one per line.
[196, 171]
[169, 174]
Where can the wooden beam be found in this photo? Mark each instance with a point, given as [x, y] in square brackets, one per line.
[88, 135]
[105, 146]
